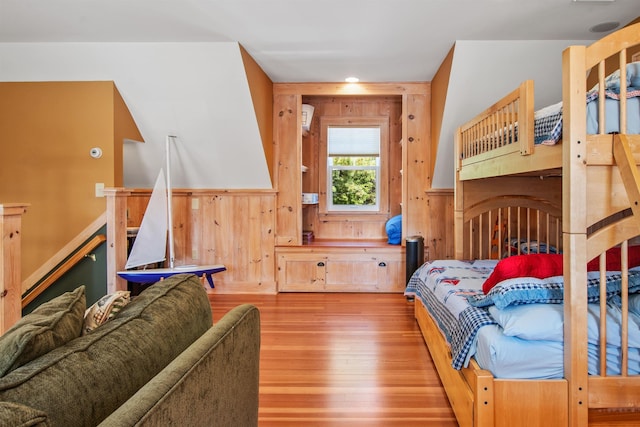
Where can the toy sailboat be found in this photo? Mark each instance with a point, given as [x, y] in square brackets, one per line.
[150, 244]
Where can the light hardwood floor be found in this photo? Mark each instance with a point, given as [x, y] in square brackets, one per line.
[342, 359]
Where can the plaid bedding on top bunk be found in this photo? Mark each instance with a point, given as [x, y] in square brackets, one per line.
[443, 287]
[547, 128]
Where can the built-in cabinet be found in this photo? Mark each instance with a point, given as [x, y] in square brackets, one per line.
[346, 266]
[340, 269]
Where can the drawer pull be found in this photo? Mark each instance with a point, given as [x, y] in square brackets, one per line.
[382, 264]
[321, 264]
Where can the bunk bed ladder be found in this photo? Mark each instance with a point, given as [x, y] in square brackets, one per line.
[623, 156]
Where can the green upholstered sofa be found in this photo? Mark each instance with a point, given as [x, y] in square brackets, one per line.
[159, 362]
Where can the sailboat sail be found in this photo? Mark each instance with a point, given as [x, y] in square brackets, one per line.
[150, 244]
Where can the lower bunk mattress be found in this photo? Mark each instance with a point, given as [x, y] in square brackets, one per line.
[516, 329]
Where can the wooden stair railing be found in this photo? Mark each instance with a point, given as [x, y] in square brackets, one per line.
[10, 263]
[78, 256]
[11, 285]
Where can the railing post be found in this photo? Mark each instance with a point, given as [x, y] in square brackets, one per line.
[116, 237]
[10, 264]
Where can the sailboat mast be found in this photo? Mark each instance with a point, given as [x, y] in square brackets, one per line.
[169, 201]
[156, 233]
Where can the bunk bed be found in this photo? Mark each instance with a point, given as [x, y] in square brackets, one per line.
[577, 199]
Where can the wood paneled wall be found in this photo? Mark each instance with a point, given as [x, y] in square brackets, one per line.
[288, 172]
[439, 231]
[416, 164]
[357, 227]
[234, 228]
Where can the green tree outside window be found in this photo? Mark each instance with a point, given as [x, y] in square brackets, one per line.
[354, 186]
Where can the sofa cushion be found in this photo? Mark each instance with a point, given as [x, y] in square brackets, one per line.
[51, 325]
[84, 381]
[17, 415]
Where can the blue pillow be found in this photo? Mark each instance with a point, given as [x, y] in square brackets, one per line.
[546, 322]
[394, 230]
[634, 304]
[529, 290]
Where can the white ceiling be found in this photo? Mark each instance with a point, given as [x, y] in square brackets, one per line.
[316, 41]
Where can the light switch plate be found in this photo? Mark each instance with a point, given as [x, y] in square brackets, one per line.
[99, 189]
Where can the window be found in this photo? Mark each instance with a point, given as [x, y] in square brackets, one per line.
[355, 174]
[353, 168]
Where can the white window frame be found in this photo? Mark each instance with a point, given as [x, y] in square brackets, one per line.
[382, 194]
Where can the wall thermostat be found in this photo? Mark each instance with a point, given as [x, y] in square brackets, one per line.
[96, 152]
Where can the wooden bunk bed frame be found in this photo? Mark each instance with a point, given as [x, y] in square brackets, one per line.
[485, 145]
[591, 182]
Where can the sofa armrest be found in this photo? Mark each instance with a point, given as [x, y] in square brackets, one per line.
[214, 382]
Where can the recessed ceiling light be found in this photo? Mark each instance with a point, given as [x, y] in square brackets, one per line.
[604, 27]
[352, 80]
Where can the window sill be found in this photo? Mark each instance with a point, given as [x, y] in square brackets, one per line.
[353, 217]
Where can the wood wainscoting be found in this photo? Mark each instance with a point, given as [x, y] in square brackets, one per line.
[237, 228]
[230, 227]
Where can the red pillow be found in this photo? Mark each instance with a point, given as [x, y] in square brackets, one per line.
[539, 266]
[542, 266]
[614, 259]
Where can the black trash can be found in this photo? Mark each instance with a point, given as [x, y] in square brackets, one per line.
[414, 255]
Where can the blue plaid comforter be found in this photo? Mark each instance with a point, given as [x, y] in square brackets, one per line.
[547, 129]
[452, 293]
[443, 287]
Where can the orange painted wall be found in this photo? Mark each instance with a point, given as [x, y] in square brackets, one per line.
[47, 130]
[261, 88]
[439, 88]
